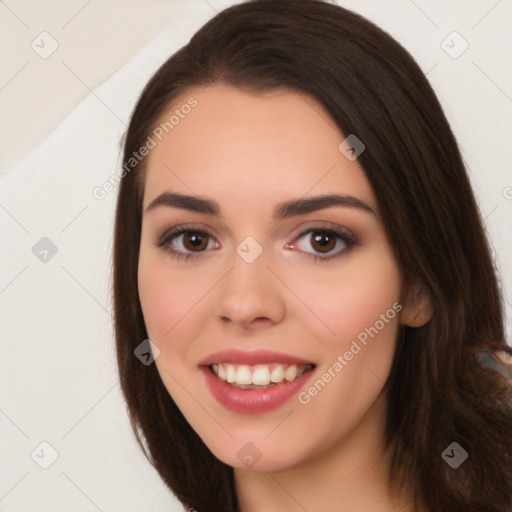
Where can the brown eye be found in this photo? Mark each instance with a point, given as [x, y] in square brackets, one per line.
[324, 244]
[194, 241]
[186, 243]
[322, 241]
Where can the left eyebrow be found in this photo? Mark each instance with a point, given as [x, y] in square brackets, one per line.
[311, 204]
[283, 210]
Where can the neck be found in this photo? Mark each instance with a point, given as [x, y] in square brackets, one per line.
[351, 475]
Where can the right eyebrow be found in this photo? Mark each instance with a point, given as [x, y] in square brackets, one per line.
[192, 203]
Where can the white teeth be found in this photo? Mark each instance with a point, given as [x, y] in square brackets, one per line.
[259, 375]
[243, 375]
[291, 372]
[230, 372]
[277, 374]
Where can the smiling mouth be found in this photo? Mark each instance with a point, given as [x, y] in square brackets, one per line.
[259, 376]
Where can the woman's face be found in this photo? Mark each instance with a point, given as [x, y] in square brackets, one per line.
[294, 299]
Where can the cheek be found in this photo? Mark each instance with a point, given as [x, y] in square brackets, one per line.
[353, 299]
[169, 300]
[367, 301]
[362, 307]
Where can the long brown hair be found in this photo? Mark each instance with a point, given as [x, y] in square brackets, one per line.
[437, 393]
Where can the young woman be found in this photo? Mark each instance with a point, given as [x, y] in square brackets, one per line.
[297, 236]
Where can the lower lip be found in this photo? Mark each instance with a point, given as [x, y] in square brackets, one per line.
[252, 401]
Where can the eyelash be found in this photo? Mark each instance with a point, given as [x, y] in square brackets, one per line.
[169, 235]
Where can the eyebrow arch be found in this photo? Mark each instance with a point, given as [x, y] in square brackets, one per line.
[283, 210]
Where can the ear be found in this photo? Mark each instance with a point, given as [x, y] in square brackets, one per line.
[417, 306]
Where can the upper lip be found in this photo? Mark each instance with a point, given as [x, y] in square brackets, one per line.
[250, 357]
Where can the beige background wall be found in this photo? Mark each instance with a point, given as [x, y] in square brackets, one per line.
[92, 39]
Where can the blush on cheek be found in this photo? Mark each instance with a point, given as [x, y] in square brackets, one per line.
[172, 312]
[360, 289]
[158, 307]
[163, 301]
[372, 304]
[352, 313]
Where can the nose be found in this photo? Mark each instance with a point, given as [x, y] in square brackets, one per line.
[250, 295]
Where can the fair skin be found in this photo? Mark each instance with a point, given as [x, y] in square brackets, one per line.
[249, 152]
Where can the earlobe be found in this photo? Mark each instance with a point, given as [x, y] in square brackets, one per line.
[417, 307]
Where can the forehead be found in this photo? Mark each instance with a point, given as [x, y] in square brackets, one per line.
[249, 147]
